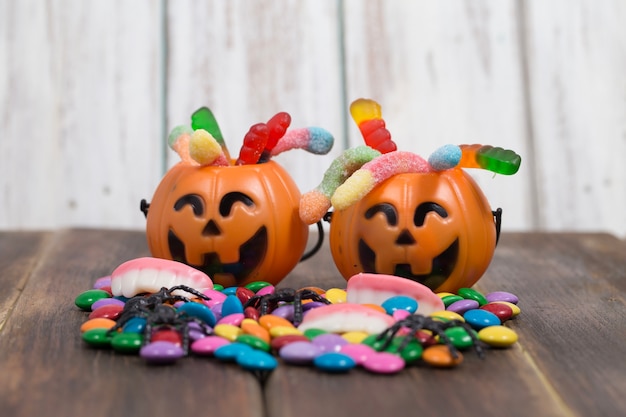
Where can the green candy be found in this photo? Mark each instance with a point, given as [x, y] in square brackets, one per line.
[85, 299]
[218, 287]
[410, 353]
[257, 285]
[312, 333]
[254, 342]
[97, 337]
[498, 160]
[127, 342]
[449, 299]
[203, 119]
[472, 294]
[459, 337]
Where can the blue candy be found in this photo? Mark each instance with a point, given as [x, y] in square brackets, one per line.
[257, 360]
[135, 325]
[199, 311]
[399, 302]
[231, 305]
[334, 362]
[231, 351]
[479, 319]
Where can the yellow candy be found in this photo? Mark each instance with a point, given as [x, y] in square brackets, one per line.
[284, 331]
[516, 310]
[444, 294]
[354, 337]
[203, 148]
[497, 336]
[447, 315]
[227, 331]
[336, 295]
[250, 321]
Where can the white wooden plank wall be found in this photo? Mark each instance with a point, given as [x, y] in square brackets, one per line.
[89, 91]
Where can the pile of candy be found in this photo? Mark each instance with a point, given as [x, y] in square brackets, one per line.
[252, 325]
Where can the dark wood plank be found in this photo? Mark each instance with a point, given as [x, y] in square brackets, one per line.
[19, 253]
[46, 369]
[572, 327]
[505, 382]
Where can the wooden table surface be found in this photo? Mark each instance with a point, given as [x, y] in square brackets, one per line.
[570, 359]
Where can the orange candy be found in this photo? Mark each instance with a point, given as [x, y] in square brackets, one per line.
[440, 357]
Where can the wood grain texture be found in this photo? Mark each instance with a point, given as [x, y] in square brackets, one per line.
[90, 90]
[444, 73]
[576, 56]
[80, 108]
[249, 60]
[46, 368]
[568, 361]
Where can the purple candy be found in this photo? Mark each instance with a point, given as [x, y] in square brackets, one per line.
[102, 282]
[312, 305]
[462, 306]
[329, 342]
[161, 352]
[299, 352]
[106, 302]
[502, 296]
[285, 312]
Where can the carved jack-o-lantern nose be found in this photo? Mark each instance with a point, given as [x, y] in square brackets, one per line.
[211, 229]
[405, 238]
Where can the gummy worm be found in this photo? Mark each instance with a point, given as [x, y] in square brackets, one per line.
[205, 150]
[368, 117]
[203, 118]
[375, 172]
[315, 203]
[312, 139]
[498, 160]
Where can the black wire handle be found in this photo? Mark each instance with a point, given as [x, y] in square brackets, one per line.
[318, 244]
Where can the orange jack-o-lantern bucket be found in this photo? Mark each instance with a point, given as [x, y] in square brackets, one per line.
[236, 220]
[396, 213]
[434, 228]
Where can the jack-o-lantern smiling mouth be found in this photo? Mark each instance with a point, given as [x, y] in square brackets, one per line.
[442, 265]
[251, 255]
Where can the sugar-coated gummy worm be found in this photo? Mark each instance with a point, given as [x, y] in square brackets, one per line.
[203, 118]
[315, 203]
[373, 173]
[312, 139]
[205, 150]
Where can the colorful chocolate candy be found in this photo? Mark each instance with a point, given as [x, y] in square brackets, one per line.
[375, 323]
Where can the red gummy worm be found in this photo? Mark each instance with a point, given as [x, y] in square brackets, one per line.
[253, 144]
[277, 127]
[376, 136]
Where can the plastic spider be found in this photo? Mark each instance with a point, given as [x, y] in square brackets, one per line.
[416, 322]
[164, 316]
[266, 303]
[144, 304]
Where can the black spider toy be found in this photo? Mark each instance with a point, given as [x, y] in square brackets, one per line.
[416, 322]
[164, 316]
[266, 303]
[157, 311]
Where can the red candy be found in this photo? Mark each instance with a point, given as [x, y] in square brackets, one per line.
[277, 126]
[110, 311]
[253, 144]
[502, 311]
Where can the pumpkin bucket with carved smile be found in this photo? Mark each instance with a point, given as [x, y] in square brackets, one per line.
[396, 213]
[235, 220]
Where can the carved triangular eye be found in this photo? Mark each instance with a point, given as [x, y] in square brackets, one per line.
[387, 209]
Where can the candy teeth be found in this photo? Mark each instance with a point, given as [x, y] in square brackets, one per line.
[149, 275]
[346, 317]
[368, 288]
